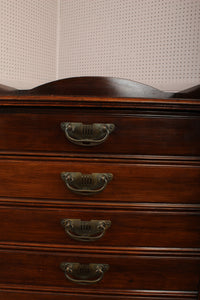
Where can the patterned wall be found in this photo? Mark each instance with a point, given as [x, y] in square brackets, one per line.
[28, 31]
[156, 42]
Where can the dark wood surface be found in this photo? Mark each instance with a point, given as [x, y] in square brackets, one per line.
[131, 183]
[42, 269]
[142, 104]
[4, 90]
[101, 86]
[92, 86]
[72, 295]
[191, 93]
[136, 133]
[153, 202]
[98, 86]
[129, 228]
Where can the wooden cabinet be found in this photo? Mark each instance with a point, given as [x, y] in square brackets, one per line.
[105, 207]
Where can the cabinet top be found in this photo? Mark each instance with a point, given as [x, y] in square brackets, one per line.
[100, 92]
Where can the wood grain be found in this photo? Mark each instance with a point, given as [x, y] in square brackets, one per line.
[96, 86]
[153, 201]
[144, 104]
[38, 130]
[145, 295]
[128, 229]
[102, 86]
[131, 182]
[125, 273]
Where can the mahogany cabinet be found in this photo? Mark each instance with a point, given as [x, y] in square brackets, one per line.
[100, 192]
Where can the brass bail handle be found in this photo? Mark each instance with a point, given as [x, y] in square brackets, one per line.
[85, 231]
[84, 273]
[86, 184]
[87, 135]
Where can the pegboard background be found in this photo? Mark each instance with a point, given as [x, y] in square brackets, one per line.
[27, 42]
[156, 42]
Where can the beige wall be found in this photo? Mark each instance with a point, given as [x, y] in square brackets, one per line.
[156, 42]
[27, 42]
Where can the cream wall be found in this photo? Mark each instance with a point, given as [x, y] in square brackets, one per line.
[156, 42]
[28, 34]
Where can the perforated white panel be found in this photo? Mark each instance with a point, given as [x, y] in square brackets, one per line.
[156, 42]
[27, 42]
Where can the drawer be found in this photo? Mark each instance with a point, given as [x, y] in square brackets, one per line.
[132, 182]
[128, 228]
[125, 273]
[135, 133]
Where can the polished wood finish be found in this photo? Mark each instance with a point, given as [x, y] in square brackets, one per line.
[98, 86]
[125, 272]
[35, 295]
[101, 86]
[153, 244]
[41, 179]
[193, 92]
[136, 133]
[129, 228]
[4, 90]
[94, 86]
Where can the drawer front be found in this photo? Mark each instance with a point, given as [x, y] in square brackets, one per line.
[128, 228]
[134, 134]
[130, 183]
[125, 272]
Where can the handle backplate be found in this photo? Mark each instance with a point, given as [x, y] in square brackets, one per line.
[85, 231]
[87, 135]
[84, 273]
[86, 184]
